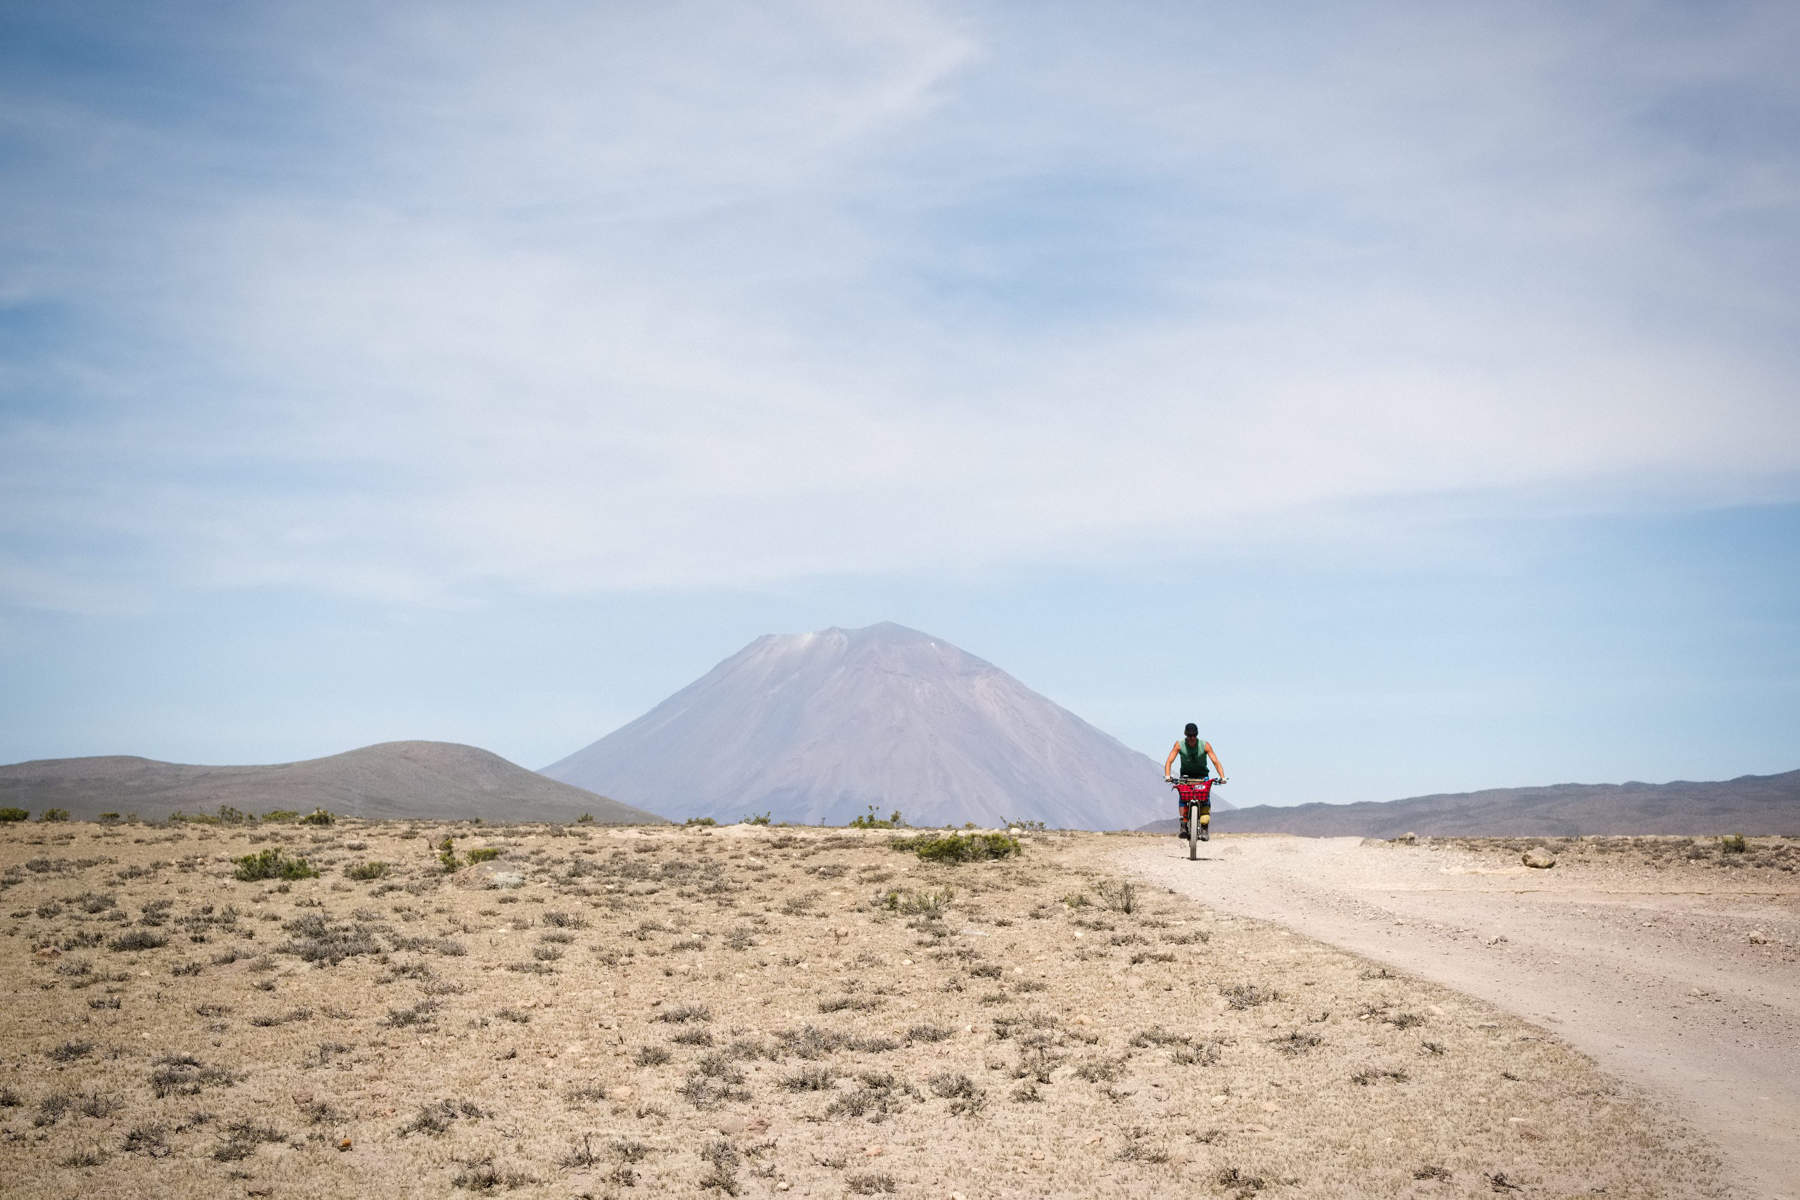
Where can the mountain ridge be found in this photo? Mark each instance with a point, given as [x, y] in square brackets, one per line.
[1747, 804]
[421, 780]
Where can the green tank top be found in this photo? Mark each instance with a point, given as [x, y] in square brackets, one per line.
[1193, 763]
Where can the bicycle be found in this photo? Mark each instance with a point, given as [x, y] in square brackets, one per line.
[1196, 810]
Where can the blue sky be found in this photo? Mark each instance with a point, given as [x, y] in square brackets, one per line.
[1406, 393]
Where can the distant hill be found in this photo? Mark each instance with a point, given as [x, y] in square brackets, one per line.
[819, 726]
[422, 780]
[1750, 804]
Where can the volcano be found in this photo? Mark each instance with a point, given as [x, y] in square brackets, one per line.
[821, 727]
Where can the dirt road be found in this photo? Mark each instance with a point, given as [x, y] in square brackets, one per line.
[1682, 979]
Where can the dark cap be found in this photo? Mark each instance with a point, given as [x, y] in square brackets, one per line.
[1192, 730]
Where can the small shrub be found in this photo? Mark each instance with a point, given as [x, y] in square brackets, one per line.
[807, 1079]
[1231, 1177]
[880, 1096]
[929, 905]
[149, 1140]
[870, 820]
[13, 814]
[281, 815]
[51, 1108]
[62, 814]
[447, 855]
[585, 819]
[271, 863]
[724, 1160]
[1103, 1069]
[365, 871]
[138, 939]
[1734, 844]
[852, 1003]
[242, 1138]
[1137, 1149]
[706, 1089]
[484, 1177]
[809, 1041]
[316, 940]
[563, 920]
[1296, 1043]
[483, 854]
[434, 1119]
[185, 1075]
[757, 819]
[960, 1090]
[1121, 897]
[1205, 1055]
[109, 818]
[418, 1014]
[699, 821]
[959, 847]
[317, 816]
[1248, 995]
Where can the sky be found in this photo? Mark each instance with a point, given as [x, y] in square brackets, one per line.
[1406, 393]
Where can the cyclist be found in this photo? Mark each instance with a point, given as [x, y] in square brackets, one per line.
[1193, 752]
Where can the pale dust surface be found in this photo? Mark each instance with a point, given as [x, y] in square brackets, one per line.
[751, 1011]
[1678, 974]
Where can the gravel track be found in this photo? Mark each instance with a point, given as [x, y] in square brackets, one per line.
[1684, 980]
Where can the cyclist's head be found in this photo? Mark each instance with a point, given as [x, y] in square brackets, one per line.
[1192, 730]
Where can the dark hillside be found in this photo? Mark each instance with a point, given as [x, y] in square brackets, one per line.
[1749, 804]
[424, 780]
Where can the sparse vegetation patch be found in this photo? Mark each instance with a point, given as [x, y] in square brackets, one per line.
[271, 863]
[959, 847]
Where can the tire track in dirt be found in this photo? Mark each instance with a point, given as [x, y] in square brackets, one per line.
[1684, 983]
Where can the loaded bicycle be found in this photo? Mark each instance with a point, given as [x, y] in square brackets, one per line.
[1196, 810]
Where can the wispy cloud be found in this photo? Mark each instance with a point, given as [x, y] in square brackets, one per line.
[420, 305]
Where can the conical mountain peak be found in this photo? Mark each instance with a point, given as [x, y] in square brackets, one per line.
[819, 726]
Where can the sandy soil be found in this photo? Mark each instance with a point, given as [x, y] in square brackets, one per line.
[1681, 975]
[742, 1012]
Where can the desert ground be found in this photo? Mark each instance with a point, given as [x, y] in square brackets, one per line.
[1674, 962]
[748, 1010]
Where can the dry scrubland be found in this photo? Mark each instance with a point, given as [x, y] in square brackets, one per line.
[740, 1011]
[1596, 854]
